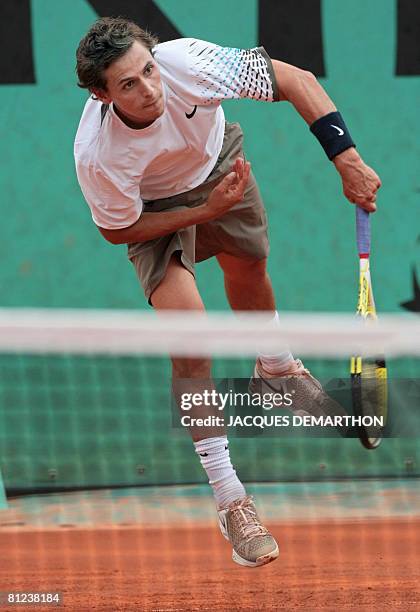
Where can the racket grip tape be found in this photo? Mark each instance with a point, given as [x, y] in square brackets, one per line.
[363, 231]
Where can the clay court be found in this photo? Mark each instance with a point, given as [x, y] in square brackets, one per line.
[348, 566]
[342, 563]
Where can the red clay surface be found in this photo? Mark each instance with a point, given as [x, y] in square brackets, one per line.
[372, 565]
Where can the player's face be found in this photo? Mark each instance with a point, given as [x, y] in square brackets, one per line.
[134, 86]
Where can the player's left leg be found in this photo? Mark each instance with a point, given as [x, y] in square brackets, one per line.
[248, 287]
[242, 276]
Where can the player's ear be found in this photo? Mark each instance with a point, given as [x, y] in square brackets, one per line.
[100, 94]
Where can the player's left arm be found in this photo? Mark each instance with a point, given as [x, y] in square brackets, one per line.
[302, 89]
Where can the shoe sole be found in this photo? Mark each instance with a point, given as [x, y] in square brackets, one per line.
[263, 560]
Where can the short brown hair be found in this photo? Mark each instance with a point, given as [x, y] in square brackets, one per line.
[107, 40]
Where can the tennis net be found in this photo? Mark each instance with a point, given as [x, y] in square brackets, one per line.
[86, 401]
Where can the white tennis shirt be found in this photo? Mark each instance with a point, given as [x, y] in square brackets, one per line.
[118, 167]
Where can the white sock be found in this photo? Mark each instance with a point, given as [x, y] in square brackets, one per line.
[215, 459]
[275, 364]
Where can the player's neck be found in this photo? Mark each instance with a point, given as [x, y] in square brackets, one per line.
[132, 123]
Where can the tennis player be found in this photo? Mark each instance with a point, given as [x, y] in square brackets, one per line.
[164, 173]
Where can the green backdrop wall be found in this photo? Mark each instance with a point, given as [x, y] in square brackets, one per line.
[53, 256]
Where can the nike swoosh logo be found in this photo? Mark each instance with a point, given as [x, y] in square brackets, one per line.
[203, 454]
[339, 130]
[191, 115]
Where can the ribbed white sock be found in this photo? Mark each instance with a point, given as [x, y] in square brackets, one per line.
[215, 459]
[275, 364]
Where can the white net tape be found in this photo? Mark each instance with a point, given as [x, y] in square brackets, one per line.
[204, 334]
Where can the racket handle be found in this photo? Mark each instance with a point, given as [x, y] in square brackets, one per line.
[363, 231]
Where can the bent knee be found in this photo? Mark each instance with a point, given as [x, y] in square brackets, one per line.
[244, 269]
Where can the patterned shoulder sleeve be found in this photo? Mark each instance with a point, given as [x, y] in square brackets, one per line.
[209, 73]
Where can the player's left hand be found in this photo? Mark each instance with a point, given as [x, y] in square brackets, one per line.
[360, 182]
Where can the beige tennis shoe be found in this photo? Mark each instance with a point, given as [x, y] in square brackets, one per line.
[253, 545]
[303, 390]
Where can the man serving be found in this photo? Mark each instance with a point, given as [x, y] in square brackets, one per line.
[163, 172]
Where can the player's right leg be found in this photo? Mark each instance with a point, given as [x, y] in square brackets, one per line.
[252, 544]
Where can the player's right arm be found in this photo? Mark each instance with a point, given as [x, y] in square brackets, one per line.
[305, 93]
[149, 226]
[205, 73]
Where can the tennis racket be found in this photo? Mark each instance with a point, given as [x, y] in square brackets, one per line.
[368, 374]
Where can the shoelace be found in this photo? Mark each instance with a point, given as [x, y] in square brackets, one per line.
[247, 519]
[301, 371]
[307, 372]
[297, 371]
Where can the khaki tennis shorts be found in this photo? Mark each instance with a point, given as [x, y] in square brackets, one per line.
[241, 232]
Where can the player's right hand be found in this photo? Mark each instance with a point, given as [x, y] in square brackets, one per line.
[360, 182]
[230, 190]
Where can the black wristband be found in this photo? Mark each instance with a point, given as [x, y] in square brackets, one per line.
[332, 134]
